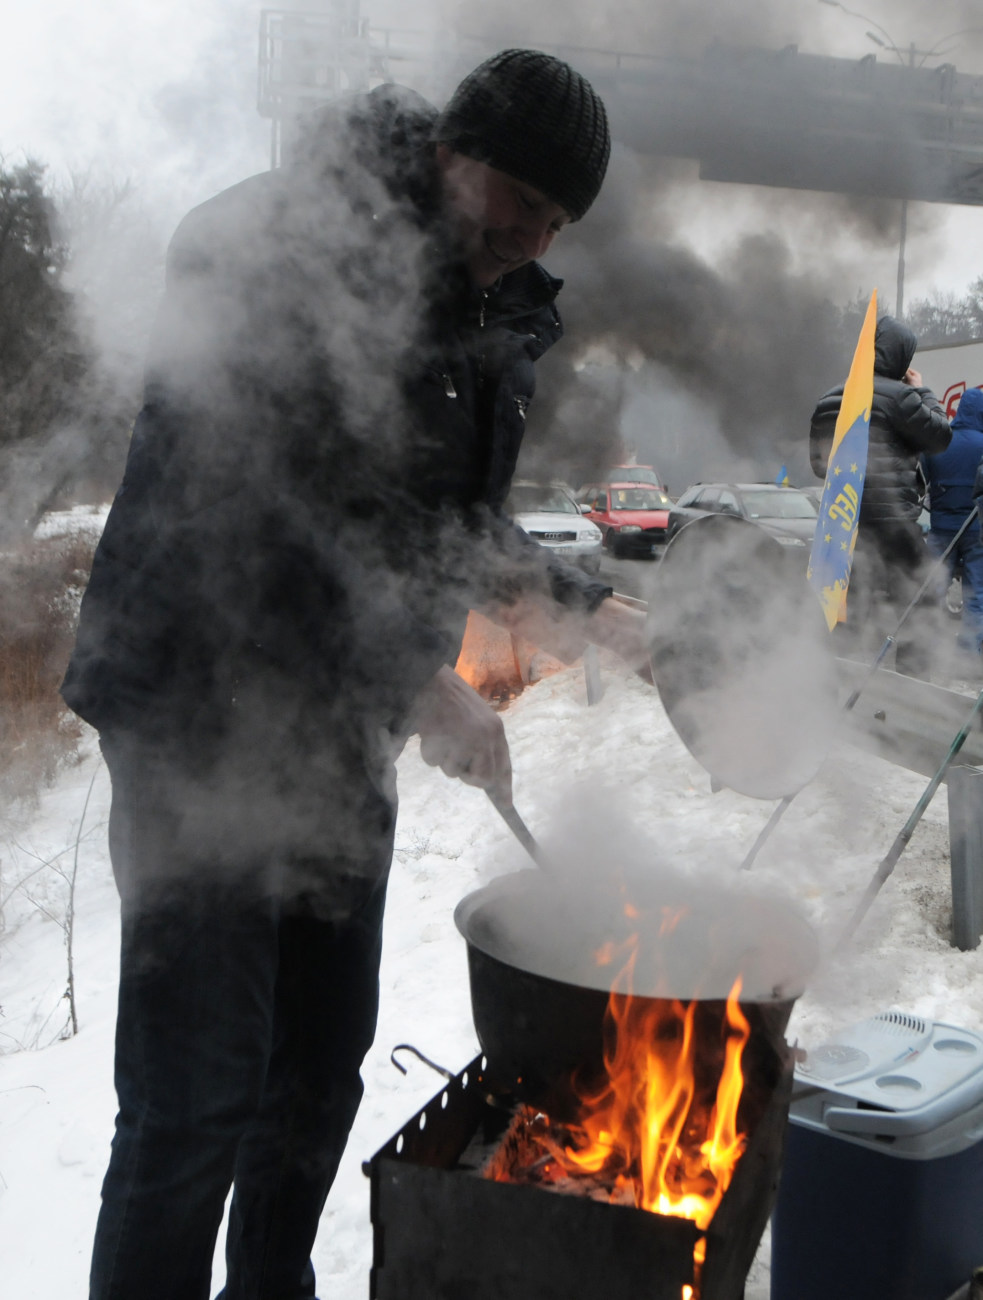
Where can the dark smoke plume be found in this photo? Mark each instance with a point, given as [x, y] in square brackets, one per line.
[736, 350]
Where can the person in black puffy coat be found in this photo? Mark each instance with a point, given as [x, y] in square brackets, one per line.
[951, 478]
[891, 558]
[336, 393]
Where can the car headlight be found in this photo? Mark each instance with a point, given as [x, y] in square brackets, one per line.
[789, 541]
[591, 536]
[630, 528]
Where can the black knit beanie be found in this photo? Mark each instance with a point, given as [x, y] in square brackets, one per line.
[531, 115]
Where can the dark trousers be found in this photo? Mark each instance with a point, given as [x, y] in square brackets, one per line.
[890, 563]
[968, 552]
[244, 1015]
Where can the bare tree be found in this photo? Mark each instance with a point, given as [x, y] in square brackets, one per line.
[76, 271]
[941, 317]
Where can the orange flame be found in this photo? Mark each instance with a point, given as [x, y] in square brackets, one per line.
[660, 1130]
[487, 660]
[646, 1126]
[606, 954]
[655, 1136]
[671, 916]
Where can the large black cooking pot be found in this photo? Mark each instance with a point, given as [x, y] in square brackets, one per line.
[540, 983]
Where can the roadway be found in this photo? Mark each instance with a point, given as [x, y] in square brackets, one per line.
[629, 577]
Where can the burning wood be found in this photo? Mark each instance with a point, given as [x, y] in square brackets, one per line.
[660, 1131]
[439, 1225]
[531, 1153]
[652, 1134]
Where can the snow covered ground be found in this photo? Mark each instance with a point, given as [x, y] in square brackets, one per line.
[89, 520]
[615, 764]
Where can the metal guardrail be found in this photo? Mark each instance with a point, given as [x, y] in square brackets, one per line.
[631, 600]
[907, 721]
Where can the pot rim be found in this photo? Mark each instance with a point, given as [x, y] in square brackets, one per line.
[799, 936]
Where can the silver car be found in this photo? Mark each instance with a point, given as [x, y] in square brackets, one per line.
[549, 514]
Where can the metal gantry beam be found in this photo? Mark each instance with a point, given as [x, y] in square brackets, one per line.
[801, 121]
[749, 115]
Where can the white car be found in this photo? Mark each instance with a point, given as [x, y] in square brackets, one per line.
[549, 514]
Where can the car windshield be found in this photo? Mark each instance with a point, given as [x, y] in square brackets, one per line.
[778, 505]
[530, 498]
[638, 499]
[634, 474]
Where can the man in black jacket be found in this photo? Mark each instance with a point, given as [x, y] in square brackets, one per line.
[336, 391]
[906, 421]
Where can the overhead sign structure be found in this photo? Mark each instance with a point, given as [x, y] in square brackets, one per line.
[750, 115]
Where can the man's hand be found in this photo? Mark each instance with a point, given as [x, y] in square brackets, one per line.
[913, 377]
[462, 735]
[621, 628]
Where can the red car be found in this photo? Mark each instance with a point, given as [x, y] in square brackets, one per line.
[632, 516]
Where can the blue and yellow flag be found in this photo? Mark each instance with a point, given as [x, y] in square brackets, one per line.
[781, 478]
[839, 507]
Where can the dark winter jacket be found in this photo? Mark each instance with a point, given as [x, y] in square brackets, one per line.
[312, 498]
[952, 474]
[905, 423]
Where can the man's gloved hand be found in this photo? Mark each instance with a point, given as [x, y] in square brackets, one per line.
[462, 735]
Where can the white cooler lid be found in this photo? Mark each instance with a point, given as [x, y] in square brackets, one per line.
[894, 1074]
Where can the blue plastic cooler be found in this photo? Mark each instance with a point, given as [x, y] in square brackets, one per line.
[882, 1185]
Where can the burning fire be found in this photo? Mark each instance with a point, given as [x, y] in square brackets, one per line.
[498, 664]
[660, 1131]
[647, 1129]
[488, 661]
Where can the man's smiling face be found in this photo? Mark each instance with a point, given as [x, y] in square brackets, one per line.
[502, 223]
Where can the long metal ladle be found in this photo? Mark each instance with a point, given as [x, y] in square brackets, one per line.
[520, 830]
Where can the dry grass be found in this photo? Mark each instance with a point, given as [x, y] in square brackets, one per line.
[40, 588]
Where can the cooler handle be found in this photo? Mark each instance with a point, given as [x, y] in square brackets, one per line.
[908, 1123]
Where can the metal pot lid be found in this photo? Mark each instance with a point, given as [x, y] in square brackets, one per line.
[742, 657]
[692, 942]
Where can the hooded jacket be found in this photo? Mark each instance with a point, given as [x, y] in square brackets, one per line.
[312, 498]
[905, 423]
[952, 474]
